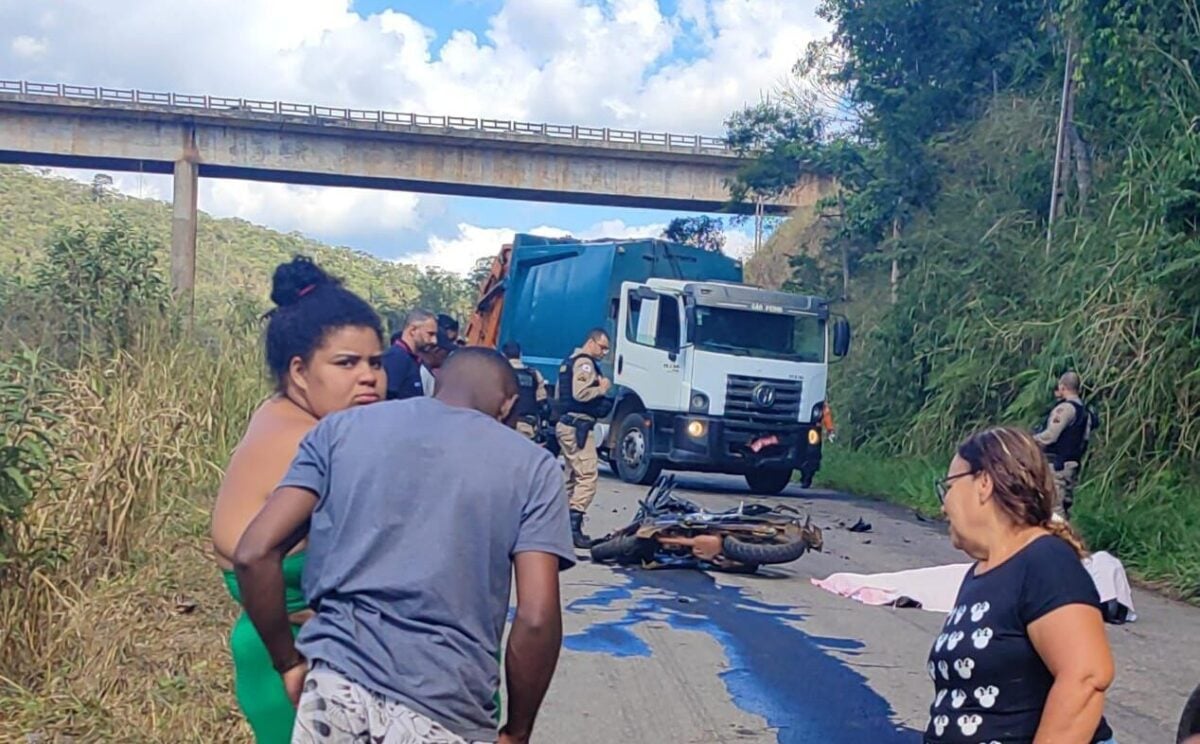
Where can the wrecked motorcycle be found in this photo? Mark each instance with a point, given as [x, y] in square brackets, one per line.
[670, 530]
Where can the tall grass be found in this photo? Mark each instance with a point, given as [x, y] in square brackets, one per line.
[140, 435]
[987, 318]
[112, 615]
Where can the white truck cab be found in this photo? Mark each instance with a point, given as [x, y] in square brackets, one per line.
[720, 377]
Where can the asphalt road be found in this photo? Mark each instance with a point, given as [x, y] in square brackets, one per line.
[686, 656]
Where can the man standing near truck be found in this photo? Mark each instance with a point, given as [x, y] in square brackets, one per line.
[401, 360]
[1064, 438]
[581, 391]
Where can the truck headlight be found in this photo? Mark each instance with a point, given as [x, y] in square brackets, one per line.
[814, 437]
[695, 429]
[698, 403]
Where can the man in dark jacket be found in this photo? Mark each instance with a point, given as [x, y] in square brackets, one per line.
[401, 361]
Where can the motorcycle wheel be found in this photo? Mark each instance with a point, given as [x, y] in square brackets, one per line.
[621, 549]
[1189, 722]
[760, 553]
[768, 482]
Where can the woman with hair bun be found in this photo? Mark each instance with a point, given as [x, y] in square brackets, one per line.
[1023, 656]
[323, 347]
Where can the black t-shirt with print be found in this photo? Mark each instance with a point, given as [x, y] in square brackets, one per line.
[990, 684]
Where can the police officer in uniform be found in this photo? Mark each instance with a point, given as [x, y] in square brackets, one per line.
[581, 391]
[1064, 439]
[532, 391]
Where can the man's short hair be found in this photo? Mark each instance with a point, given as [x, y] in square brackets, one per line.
[1070, 380]
[417, 315]
[511, 350]
[598, 334]
[447, 323]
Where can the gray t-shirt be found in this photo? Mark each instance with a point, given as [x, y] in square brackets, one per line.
[421, 508]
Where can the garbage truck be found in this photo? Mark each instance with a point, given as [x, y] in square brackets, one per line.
[709, 374]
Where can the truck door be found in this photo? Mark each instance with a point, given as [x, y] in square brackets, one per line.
[646, 358]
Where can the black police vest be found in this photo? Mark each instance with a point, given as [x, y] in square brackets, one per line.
[527, 389]
[1072, 441]
[596, 407]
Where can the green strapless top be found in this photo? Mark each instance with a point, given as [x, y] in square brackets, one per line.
[293, 569]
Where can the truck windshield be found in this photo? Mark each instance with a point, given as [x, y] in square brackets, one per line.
[799, 338]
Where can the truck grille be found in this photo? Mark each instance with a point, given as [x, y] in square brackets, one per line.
[744, 412]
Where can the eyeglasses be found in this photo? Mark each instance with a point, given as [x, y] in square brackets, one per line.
[942, 485]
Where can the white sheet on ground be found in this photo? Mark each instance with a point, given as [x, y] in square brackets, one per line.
[1111, 581]
[934, 588]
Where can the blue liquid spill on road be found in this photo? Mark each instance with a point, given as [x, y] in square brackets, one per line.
[776, 671]
[615, 637]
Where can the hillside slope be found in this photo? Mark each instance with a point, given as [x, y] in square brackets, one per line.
[233, 256]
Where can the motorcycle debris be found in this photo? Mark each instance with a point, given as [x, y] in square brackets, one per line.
[860, 526]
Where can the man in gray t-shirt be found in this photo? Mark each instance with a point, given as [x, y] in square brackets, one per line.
[416, 513]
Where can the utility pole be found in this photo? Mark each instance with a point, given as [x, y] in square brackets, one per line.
[1059, 149]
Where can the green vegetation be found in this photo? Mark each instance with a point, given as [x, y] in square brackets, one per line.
[968, 303]
[117, 415]
[234, 259]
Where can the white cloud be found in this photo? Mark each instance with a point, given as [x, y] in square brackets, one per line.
[27, 46]
[324, 212]
[570, 61]
[333, 214]
[620, 63]
[459, 252]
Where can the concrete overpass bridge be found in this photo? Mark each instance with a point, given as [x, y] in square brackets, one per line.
[191, 136]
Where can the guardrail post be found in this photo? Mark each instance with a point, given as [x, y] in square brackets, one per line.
[183, 233]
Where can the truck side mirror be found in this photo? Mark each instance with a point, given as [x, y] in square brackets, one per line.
[841, 337]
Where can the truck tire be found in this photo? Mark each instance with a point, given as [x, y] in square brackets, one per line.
[768, 481]
[621, 549]
[634, 463]
[1189, 722]
[759, 553]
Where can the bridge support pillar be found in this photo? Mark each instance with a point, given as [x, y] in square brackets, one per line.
[183, 233]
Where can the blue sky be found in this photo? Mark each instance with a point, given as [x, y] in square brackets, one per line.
[660, 65]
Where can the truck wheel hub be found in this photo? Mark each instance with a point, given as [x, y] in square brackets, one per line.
[633, 447]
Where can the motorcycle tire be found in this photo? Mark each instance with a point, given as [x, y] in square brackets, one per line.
[768, 481]
[620, 549]
[1189, 722]
[761, 553]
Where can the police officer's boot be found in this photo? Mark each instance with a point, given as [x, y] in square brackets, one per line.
[581, 541]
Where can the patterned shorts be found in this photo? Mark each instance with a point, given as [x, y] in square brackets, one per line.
[334, 710]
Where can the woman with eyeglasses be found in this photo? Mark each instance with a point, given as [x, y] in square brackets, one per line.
[1023, 656]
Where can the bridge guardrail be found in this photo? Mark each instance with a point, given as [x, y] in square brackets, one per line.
[181, 101]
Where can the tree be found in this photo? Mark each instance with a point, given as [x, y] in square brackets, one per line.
[780, 141]
[104, 279]
[480, 271]
[703, 232]
[102, 186]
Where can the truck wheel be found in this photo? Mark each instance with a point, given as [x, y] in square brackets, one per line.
[806, 478]
[1189, 722]
[768, 481]
[634, 463]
